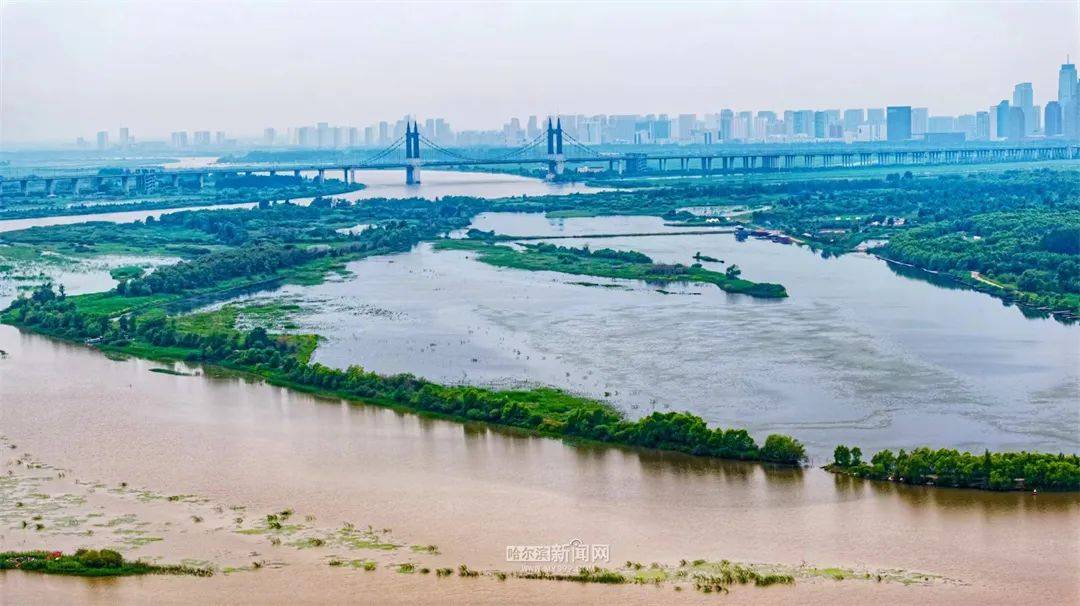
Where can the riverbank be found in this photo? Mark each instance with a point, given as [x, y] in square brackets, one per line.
[27, 210]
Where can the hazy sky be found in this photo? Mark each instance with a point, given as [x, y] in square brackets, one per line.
[70, 69]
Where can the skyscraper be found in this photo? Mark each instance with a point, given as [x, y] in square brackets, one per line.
[687, 124]
[1023, 97]
[323, 137]
[967, 124]
[384, 133]
[853, 118]
[1067, 82]
[727, 125]
[982, 126]
[125, 136]
[1002, 113]
[821, 125]
[898, 123]
[920, 120]
[103, 139]
[269, 134]
[1016, 128]
[1052, 124]
[1069, 99]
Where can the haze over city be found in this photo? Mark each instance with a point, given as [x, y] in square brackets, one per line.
[74, 69]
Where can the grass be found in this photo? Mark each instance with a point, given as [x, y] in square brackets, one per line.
[533, 258]
[88, 563]
[125, 272]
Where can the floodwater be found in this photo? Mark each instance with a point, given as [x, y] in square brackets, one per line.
[473, 491]
[858, 354]
[380, 184]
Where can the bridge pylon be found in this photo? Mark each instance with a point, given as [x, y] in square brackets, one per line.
[556, 159]
[412, 154]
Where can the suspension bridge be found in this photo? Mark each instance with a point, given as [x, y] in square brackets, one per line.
[553, 148]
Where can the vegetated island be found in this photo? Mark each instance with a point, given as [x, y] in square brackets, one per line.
[951, 468]
[609, 263]
[88, 563]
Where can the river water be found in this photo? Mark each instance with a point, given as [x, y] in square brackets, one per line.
[858, 353]
[379, 184]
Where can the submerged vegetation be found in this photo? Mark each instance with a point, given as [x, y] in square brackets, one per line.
[608, 263]
[988, 471]
[88, 563]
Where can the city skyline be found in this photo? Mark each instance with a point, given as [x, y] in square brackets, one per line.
[1022, 119]
[563, 60]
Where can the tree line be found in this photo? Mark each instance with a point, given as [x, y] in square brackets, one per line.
[946, 467]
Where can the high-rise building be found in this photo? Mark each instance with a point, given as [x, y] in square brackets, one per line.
[660, 129]
[384, 133]
[875, 115]
[687, 126]
[1052, 124]
[853, 119]
[1001, 111]
[369, 136]
[103, 139]
[920, 120]
[354, 136]
[179, 139]
[941, 124]
[125, 137]
[726, 125]
[1069, 99]
[1016, 128]
[202, 138]
[968, 124]
[982, 126]
[219, 137]
[323, 137]
[821, 125]
[898, 123]
[744, 126]
[802, 123]
[269, 134]
[1024, 98]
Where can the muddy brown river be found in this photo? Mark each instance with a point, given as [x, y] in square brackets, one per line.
[471, 491]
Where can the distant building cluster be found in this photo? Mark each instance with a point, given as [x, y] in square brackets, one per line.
[1015, 120]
